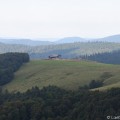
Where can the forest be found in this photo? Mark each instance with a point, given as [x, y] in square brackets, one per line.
[9, 63]
[53, 103]
[69, 50]
[107, 57]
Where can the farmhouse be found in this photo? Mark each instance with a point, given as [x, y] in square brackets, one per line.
[54, 56]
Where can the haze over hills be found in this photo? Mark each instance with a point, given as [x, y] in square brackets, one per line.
[69, 50]
[70, 40]
[28, 42]
[41, 41]
[50, 41]
[113, 38]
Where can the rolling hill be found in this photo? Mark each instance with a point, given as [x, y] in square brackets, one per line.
[55, 41]
[113, 38]
[66, 74]
[69, 50]
[70, 40]
[28, 42]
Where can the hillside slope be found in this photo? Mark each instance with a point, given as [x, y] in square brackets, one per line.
[71, 50]
[65, 74]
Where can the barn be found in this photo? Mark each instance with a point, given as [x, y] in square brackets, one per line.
[54, 56]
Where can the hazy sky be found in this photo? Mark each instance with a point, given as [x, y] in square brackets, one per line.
[59, 18]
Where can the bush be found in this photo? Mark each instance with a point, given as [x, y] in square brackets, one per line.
[95, 84]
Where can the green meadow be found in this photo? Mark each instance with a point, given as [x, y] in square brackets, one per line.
[67, 74]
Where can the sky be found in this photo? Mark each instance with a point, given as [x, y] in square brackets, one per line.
[59, 18]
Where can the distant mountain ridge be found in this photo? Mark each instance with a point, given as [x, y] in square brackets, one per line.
[113, 38]
[30, 42]
[70, 40]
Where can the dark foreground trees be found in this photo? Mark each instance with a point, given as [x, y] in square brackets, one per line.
[53, 103]
[9, 63]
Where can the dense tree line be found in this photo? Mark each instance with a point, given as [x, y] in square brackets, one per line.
[9, 63]
[107, 57]
[69, 50]
[53, 103]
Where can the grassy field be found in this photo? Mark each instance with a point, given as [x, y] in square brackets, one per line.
[65, 74]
